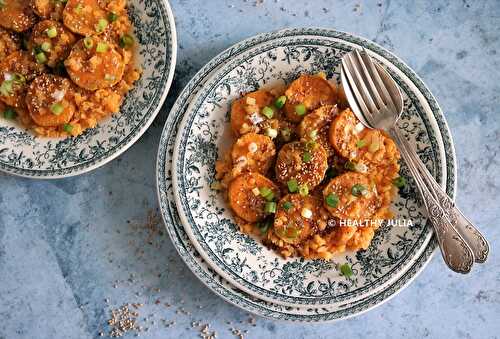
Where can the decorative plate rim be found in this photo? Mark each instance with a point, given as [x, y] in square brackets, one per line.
[134, 134]
[443, 140]
[211, 282]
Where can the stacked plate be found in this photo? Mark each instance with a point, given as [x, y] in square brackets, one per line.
[236, 266]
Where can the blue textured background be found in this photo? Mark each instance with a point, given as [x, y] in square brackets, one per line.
[65, 243]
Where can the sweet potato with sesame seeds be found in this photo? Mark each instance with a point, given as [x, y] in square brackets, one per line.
[59, 46]
[48, 9]
[95, 64]
[312, 91]
[16, 71]
[84, 16]
[316, 126]
[17, 15]
[296, 217]
[302, 161]
[345, 132]
[355, 194]
[50, 100]
[253, 152]
[246, 111]
[246, 200]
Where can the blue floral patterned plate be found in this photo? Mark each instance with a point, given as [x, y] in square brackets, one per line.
[220, 286]
[243, 261]
[22, 153]
[200, 267]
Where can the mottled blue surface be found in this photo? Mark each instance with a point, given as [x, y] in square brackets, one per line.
[64, 244]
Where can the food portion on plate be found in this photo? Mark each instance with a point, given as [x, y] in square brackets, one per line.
[304, 174]
[64, 65]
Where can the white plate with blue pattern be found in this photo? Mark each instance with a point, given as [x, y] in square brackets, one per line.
[242, 260]
[220, 286]
[24, 154]
[211, 278]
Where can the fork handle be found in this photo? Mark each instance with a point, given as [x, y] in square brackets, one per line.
[476, 241]
[456, 253]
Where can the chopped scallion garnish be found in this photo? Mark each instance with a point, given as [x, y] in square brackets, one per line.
[332, 200]
[88, 42]
[268, 112]
[57, 108]
[9, 113]
[51, 32]
[357, 190]
[293, 185]
[270, 207]
[126, 41]
[280, 102]
[303, 190]
[399, 182]
[306, 157]
[346, 270]
[101, 25]
[300, 109]
[101, 47]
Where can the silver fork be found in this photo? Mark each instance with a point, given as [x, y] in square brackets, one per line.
[377, 102]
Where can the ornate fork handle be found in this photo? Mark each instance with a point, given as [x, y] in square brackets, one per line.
[456, 253]
[473, 238]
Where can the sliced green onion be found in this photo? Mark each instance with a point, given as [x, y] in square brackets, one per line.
[332, 200]
[290, 232]
[313, 134]
[357, 190]
[350, 166]
[264, 191]
[374, 147]
[9, 113]
[112, 17]
[360, 143]
[57, 108]
[267, 193]
[19, 78]
[399, 182]
[268, 112]
[303, 190]
[2, 3]
[101, 47]
[109, 77]
[78, 9]
[300, 109]
[346, 270]
[306, 157]
[287, 205]
[88, 42]
[270, 207]
[46, 46]
[293, 185]
[280, 102]
[68, 128]
[51, 32]
[311, 145]
[41, 58]
[126, 41]
[6, 88]
[101, 25]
